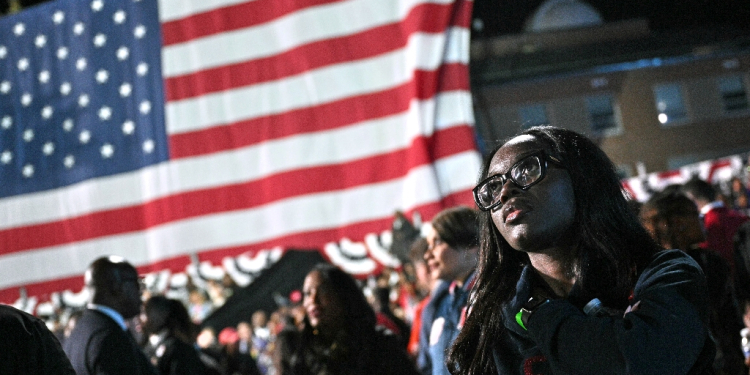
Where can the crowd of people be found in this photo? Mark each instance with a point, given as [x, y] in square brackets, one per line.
[554, 272]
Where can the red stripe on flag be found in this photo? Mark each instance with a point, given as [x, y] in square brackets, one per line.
[311, 56]
[669, 174]
[225, 198]
[715, 166]
[232, 18]
[304, 240]
[451, 141]
[459, 198]
[255, 13]
[318, 238]
[333, 115]
[461, 15]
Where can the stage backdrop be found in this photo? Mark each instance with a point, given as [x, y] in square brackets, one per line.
[157, 130]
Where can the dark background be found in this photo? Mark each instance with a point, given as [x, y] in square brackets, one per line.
[502, 17]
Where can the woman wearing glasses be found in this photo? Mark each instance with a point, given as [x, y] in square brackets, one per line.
[568, 280]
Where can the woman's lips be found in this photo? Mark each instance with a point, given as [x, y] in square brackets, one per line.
[432, 267]
[313, 313]
[513, 215]
[513, 211]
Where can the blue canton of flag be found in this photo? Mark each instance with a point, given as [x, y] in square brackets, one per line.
[80, 93]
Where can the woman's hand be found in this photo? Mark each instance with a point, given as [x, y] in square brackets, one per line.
[633, 307]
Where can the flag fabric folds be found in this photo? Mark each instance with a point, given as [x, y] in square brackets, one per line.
[161, 130]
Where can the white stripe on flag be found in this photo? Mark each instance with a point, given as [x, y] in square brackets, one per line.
[314, 87]
[170, 10]
[283, 34]
[224, 168]
[289, 216]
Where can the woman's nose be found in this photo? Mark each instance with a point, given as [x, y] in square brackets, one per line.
[309, 298]
[509, 190]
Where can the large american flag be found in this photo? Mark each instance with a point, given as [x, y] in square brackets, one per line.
[161, 130]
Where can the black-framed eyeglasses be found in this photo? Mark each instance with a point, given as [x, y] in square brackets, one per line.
[526, 173]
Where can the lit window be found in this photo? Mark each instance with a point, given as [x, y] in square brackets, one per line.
[733, 94]
[533, 115]
[669, 103]
[601, 112]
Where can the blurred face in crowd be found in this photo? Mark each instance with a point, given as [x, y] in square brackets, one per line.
[444, 262]
[131, 287]
[737, 185]
[542, 215]
[680, 231]
[206, 338]
[259, 318]
[114, 283]
[650, 221]
[154, 316]
[323, 308]
[422, 273]
[244, 331]
[742, 201]
[687, 230]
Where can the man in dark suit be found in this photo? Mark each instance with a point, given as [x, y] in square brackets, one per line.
[28, 347]
[100, 342]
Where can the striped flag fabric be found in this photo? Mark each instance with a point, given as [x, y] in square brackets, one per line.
[165, 130]
[715, 171]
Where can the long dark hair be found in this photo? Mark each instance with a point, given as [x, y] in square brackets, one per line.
[613, 248]
[354, 337]
[169, 314]
[359, 313]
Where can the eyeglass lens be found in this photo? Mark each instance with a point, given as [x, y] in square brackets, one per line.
[527, 171]
[524, 173]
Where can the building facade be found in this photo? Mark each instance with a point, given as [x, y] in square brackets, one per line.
[653, 102]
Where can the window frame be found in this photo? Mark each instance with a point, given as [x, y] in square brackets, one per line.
[684, 117]
[616, 128]
[722, 98]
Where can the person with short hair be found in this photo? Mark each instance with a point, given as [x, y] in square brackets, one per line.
[672, 219]
[719, 221]
[101, 343]
[569, 281]
[453, 245]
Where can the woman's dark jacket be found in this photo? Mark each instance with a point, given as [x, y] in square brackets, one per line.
[665, 334]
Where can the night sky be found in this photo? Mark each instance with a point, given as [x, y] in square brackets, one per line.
[502, 17]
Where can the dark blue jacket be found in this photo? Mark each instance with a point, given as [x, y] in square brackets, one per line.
[667, 334]
[441, 320]
[98, 345]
